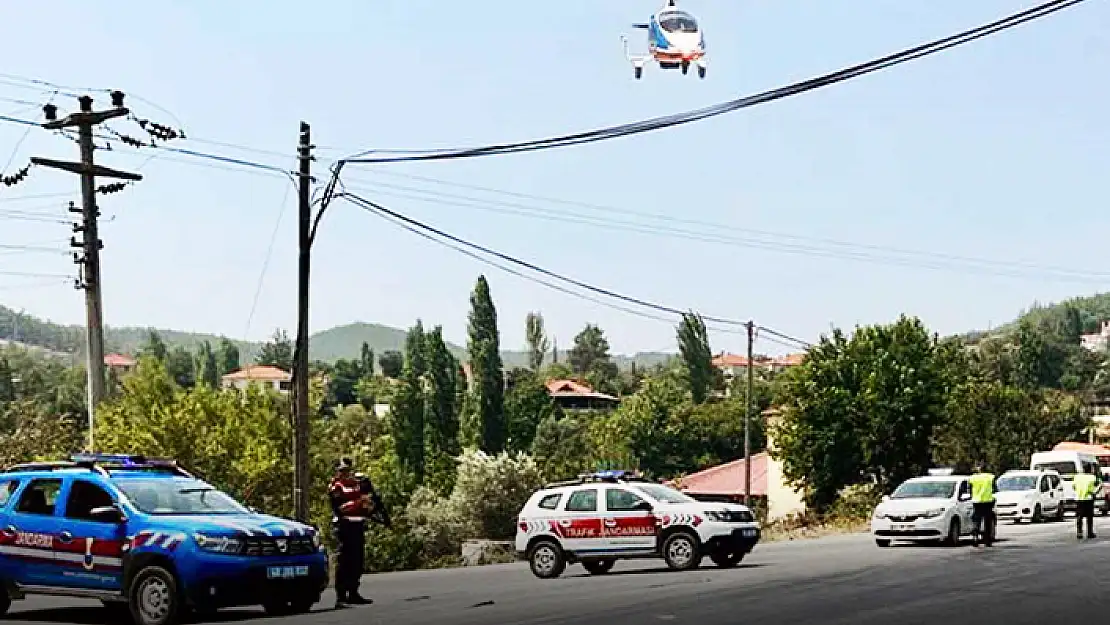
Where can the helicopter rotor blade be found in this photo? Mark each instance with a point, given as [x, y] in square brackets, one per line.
[641, 26]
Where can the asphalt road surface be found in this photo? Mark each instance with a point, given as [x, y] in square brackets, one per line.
[1035, 574]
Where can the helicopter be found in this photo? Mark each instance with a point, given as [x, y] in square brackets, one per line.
[675, 41]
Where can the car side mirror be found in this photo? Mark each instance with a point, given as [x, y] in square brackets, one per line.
[108, 514]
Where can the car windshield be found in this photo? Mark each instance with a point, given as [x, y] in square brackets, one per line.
[925, 490]
[1065, 469]
[664, 494]
[171, 496]
[1017, 482]
[678, 22]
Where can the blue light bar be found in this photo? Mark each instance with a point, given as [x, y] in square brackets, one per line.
[613, 474]
[118, 459]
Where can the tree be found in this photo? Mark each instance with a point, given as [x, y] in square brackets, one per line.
[391, 363]
[154, 346]
[208, 367]
[488, 387]
[527, 403]
[536, 337]
[181, 367]
[697, 357]
[561, 446]
[343, 382]
[277, 352]
[407, 411]
[862, 410]
[366, 360]
[228, 355]
[589, 358]
[441, 416]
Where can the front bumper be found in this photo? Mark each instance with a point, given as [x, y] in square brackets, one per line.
[299, 578]
[1011, 511]
[733, 539]
[910, 528]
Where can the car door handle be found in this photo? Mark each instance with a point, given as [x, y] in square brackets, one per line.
[66, 537]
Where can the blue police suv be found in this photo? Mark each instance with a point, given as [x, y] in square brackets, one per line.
[146, 537]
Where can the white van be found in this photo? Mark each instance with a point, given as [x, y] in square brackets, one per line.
[1067, 464]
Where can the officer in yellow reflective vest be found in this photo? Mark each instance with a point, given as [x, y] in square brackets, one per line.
[983, 489]
[1085, 484]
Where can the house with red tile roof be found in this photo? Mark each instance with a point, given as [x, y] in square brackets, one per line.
[576, 395]
[262, 375]
[727, 482]
[119, 362]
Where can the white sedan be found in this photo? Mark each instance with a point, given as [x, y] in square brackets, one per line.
[933, 508]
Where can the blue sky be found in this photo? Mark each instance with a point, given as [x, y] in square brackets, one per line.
[993, 150]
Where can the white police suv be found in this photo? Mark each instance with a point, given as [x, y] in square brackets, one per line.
[603, 517]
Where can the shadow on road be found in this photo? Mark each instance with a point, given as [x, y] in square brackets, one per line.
[662, 570]
[100, 616]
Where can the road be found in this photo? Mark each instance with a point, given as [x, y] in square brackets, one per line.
[1036, 574]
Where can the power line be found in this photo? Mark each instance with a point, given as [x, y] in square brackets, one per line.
[411, 224]
[667, 121]
[266, 261]
[947, 262]
[33, 274]
[11, 249]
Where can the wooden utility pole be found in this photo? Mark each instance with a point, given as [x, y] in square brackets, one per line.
[301, 474]
[89, 258]
[748, 419]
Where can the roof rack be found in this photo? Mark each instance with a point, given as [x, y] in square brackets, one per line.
[104, 464]
[611, 476]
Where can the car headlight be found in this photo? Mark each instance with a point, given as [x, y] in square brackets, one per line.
[933, 513]
[720, 517]
[879, 514]
[218, 544]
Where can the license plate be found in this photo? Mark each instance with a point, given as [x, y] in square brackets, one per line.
[903, 527]
[286, 572]
[748, 533]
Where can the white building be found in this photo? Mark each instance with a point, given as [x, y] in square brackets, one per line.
[262, 375]
[1098, 341]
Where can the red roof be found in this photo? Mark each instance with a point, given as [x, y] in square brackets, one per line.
[119, 360]
[259, 372]
[736, 360]
[573, 388]
[727, 479]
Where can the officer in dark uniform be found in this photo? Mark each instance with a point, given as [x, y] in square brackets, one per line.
[352, 505]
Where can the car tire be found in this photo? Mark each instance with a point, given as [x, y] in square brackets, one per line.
[5, 600]
[153, 597]
[599, 566]
[726, 559]
[681, 551]
[953, 537]
[547, 560]
[882, 542]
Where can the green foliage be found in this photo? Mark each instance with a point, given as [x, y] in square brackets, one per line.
[392, 363]
[441, 412]
[697, 357]
[536, 337]
[208, 366]
[862, 410]
[407, 410]
[590, 359]
[488, 386]
[277, 352]
[527, 404]
[228, 356]
[154, 347]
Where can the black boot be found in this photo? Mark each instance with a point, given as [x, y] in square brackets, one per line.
[340, 599]
[354, 598]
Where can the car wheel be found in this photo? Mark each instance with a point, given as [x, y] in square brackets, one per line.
[599, 567]
[1037, 514]
[681, 551]
[726, 559]
[882, 542]
[547, 560]
[5, 601]
[153, 598]
[953, 537]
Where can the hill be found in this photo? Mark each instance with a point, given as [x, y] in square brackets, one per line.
[1092, 311]
[329, 345]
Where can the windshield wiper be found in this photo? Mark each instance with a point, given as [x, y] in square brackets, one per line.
[199, 489]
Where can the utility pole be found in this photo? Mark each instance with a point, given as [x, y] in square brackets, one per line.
[301, 475]
[748, 419]
[89, 258]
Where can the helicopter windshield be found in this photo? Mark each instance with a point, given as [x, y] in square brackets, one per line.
[678, 22]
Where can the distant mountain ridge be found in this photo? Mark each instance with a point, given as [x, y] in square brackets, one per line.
[343, 341]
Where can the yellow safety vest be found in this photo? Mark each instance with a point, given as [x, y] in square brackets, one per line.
[982, 487]
[1085, 485]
